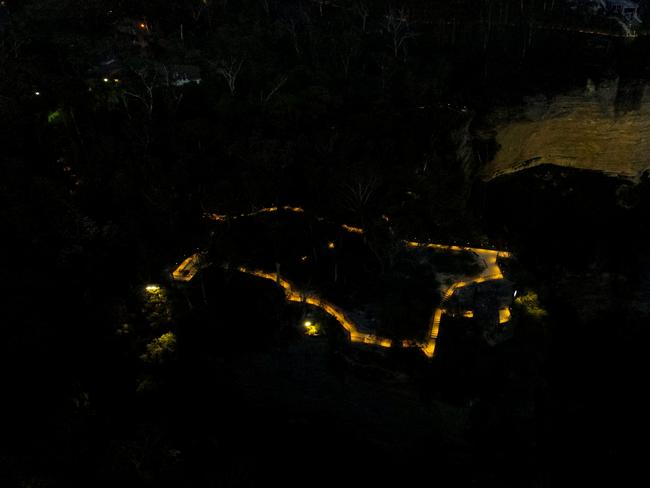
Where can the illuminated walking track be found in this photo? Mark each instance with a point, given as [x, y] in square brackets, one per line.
[294, 295]
[491, 271]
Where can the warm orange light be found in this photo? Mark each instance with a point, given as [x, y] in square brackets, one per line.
[504, 315]
[188, 268]
[330, 245]
[429, 349]
[353, 230]
[217, 217]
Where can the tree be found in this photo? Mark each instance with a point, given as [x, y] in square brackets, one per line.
[143, 89]
[398, 27]
[293, 19]
[362, 10]
[357, 194]
[229, 69]
[348, 49]
[276, 86]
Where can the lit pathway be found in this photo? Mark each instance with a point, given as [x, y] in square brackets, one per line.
[491, 271]
[294, 295]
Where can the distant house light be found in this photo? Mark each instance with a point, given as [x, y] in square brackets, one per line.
[105, 80]
[514, 295]
[152, 288]
[37, 93]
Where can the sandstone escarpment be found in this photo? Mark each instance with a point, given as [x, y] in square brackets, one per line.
[604, 128]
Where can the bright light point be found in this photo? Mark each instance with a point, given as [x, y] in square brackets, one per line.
[330, 245]
[105, 80]
[116, 80]
[514, 294]
[142, 25]
[37, 93]
[310, 328]
[152, 288]
[303, 258]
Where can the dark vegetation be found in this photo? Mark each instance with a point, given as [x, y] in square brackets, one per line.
[352, 110]
[587, 254]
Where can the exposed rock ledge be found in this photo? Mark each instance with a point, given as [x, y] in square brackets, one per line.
[605, 128]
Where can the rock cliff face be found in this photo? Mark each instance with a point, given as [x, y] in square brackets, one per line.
[603, 128]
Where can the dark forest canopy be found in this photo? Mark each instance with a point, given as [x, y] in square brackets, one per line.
[290, 92]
